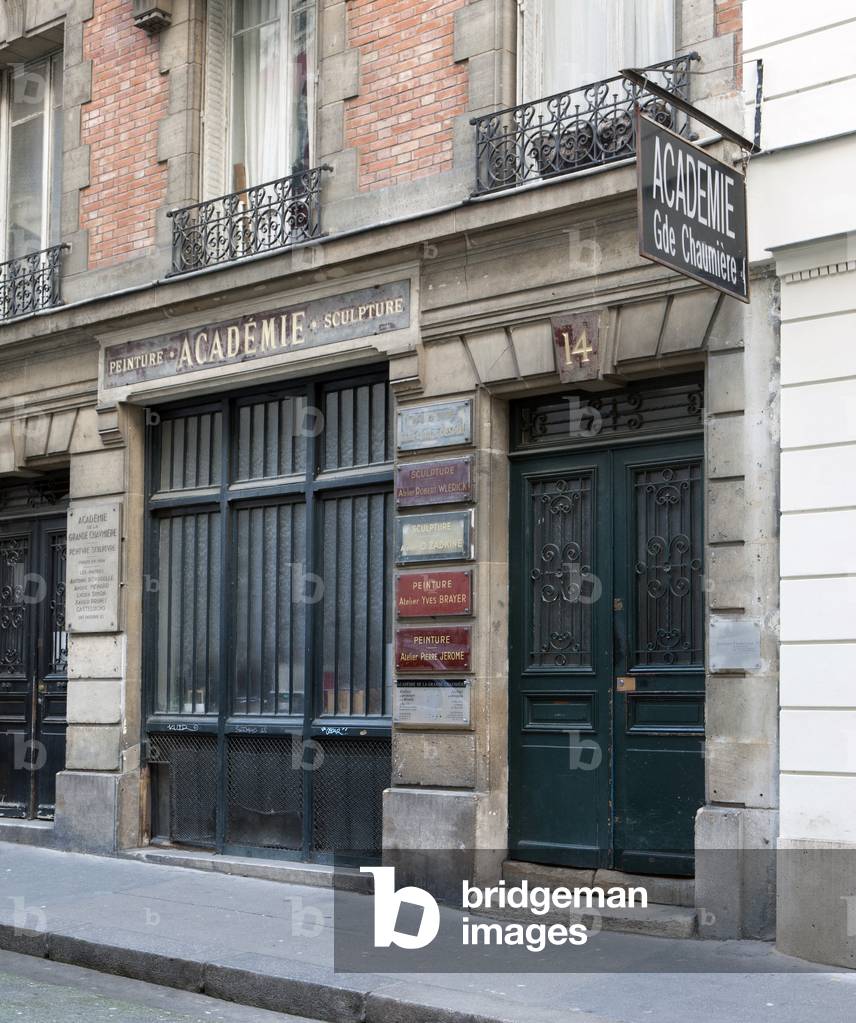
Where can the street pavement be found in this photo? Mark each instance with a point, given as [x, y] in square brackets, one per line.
[270, 944]
[39, 991]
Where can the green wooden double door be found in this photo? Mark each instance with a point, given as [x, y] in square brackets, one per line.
[607, 657]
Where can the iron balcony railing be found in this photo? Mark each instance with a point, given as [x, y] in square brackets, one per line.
[261, 218]
[31, 283]
[571, 131]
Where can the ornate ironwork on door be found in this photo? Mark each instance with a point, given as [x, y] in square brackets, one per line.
[668, 565]
[14, 552]
[560, 575]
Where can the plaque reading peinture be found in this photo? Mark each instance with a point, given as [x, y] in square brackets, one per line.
[432, 701]
[260, 335]
[444, 482]
[93, 556]
[442, 424]
[440, 537]
[433, 648]
[426, 594]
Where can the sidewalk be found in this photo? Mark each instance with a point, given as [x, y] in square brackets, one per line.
[234, 938]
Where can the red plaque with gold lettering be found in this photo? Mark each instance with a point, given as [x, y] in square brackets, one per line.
[443, 482]
[433, 648]
[424, 594]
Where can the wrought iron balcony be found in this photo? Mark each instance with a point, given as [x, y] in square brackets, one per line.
[30, 283]
[571, 131]
[261, 218]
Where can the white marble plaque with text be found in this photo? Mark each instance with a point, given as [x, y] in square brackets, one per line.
[93, 556]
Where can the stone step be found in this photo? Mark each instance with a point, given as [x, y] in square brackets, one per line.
[662, 891]
[317, 875]
[21, 832]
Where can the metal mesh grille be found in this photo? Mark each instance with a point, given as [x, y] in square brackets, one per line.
[348, 794]
[265, 795]
[191, 760]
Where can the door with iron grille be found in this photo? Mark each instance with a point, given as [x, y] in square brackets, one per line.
[607, 654]
[268, 625]
[33, 651]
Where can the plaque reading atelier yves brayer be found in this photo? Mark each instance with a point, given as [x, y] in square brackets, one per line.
[424, 594]
[444, 482]
[442, 424]
[93, 556]
[440, 537]
[433, 648]
[257, 336]
[432, 701]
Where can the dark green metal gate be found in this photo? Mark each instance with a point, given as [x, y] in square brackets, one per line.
[267, 618]
[607, 619]
[33, 646]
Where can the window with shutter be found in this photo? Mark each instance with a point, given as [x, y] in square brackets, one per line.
[259, 92]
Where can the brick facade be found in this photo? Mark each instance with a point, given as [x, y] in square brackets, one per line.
[411, 90]
[120, 124]
[728, 18]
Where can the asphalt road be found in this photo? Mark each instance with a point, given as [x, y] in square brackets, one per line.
[39, 991]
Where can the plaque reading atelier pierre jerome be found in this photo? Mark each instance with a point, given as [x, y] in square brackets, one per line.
[444, 482]
[93, 556]
[426, 594]
[432, 701]
[433, 648]
[446, 537]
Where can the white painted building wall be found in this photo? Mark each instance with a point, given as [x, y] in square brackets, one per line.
[802, 203]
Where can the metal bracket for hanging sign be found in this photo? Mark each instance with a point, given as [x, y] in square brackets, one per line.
[641, 81]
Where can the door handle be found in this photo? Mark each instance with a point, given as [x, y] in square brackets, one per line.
[625, 684]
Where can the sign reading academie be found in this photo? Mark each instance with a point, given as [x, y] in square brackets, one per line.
[692, 210]
[256, 336]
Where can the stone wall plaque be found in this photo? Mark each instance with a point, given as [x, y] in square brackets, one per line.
[734, 644]
[93, 556]
[423, 594]
[443, 482]
[432, 701]
[442, 424]
[259, 335]
[576, 340]
[440, 537]
[433, 648]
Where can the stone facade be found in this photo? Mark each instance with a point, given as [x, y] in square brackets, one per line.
[486, 278]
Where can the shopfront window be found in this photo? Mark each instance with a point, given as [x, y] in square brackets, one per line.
[232, 549]
[267, 618]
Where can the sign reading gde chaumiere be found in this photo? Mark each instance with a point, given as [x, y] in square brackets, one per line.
[93, 560]
[692, 210]
[256, 336]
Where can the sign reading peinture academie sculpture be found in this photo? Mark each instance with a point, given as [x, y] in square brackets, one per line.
[258, 336]
[692, 210]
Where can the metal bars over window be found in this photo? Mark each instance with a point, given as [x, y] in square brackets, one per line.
[572, 131]
[268, 606]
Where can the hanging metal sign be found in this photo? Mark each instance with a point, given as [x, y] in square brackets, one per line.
[692, 210]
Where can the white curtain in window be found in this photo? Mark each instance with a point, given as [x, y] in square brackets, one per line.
[259, 116]
[272, 82]
[585, 41]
